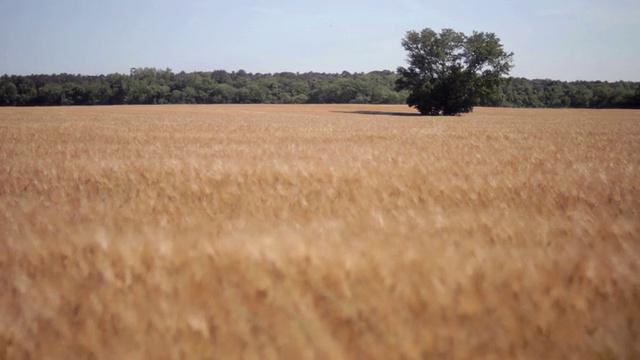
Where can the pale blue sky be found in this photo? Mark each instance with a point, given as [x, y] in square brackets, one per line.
[557, 39]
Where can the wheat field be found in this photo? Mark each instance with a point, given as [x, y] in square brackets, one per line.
[318, 232]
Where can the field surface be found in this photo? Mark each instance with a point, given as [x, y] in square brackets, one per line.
[318, 232]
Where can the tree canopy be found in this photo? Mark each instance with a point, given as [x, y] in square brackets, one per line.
[157, 86]
[450, 73]
[163, 86]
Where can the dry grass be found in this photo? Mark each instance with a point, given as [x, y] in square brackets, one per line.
[318, 232]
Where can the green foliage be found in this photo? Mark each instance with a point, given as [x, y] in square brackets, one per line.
[8, 92]
[449, 73]
[153, 86]
[519, 92]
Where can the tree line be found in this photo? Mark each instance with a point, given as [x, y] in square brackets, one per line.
[157, 86]
[519, 92]
[163, 86]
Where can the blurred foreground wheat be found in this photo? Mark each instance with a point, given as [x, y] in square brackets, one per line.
[318, 232]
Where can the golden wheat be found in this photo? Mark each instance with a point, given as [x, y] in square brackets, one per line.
[318, 232]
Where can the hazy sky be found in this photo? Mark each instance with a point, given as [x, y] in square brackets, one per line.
[557, 39]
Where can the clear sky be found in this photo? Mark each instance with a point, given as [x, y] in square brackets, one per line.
[556, 39]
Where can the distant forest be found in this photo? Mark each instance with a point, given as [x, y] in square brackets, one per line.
[157, 86]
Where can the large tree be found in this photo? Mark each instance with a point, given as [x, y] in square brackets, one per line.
[450, 72]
